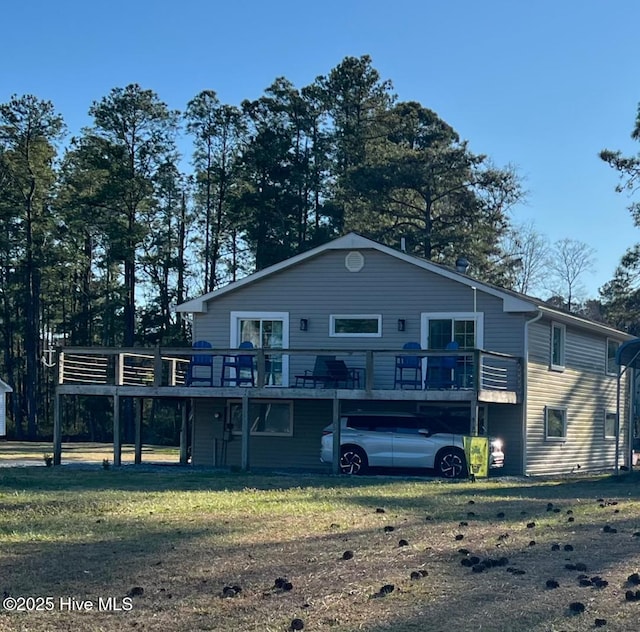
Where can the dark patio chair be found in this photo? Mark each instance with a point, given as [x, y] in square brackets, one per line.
[330, 373]
[319, 375]
[408, 369]
[200, 365]
[441, 370]
[339, 373]
[238, 370]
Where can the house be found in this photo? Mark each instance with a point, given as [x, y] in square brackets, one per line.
[542, 380]
[4, 389]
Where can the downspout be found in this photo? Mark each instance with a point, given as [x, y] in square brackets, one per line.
[525, 386]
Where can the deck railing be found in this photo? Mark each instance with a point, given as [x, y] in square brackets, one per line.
[375, 369]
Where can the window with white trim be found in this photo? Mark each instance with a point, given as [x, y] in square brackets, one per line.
[355, 325]
[610, 423]
[266, 418]
[555, 423]
[558, 336]
[444, 330]
[264, 330]
[464, 328]
[612, 349]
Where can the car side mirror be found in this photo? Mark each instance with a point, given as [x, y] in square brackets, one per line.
[424, 431]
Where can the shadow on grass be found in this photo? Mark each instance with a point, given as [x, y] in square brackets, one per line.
[195, 563]
[177, 478]
[111, 555]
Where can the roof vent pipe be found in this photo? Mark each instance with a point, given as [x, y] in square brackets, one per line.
[462, 265]
[403, 244]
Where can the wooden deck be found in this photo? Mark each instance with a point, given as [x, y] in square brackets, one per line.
[160, 372]
[164, 373]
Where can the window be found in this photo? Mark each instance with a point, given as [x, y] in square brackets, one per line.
[610, 424]
[264, 330]
[466, 329]
[557, 346]
[266, 418]
[444, 331]
[556, 423]
[612, 349]
[355, 325]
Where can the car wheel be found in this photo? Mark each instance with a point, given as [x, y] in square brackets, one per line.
[451, 463]
[353, 460]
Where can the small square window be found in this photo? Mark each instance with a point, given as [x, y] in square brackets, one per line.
[558, 334]
[555, 423]
[610, 419]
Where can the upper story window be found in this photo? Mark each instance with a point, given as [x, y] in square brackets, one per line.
[264, 330]
[612, 349]
[558, 336]
[463, 328]
[355, 325]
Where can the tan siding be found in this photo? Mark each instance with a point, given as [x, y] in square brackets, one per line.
[586, 398]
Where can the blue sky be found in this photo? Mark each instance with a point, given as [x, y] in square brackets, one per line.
[543, 85]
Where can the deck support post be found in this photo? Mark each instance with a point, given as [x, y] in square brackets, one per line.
[57, 429]
[246, 433]
[184, 434]
[117, 446]
[474, 417]
[138, 429]
[368, 371]
[335, 463]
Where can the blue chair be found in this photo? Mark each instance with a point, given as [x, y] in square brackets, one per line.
[408, 369]
[239, 370]
[201, 365]
[442, 370]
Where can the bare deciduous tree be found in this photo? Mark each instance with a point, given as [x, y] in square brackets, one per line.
[569, 261]
[530, 250]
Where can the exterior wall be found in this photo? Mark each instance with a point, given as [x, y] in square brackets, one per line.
[585, 390]
[319, 287]
[207, 432]
[302, 450]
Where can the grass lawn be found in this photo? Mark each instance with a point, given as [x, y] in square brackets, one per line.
[27, 452]
[154, 550]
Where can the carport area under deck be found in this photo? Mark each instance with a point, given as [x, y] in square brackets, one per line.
[186, 395]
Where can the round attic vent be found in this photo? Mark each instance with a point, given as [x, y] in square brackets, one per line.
[354, 261]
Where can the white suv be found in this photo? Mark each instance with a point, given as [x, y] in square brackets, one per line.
[374, 439]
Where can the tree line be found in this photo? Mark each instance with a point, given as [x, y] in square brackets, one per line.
[106, 231]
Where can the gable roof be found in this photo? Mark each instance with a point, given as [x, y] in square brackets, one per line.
[512, 301]
[5, 388]
[354, 241]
